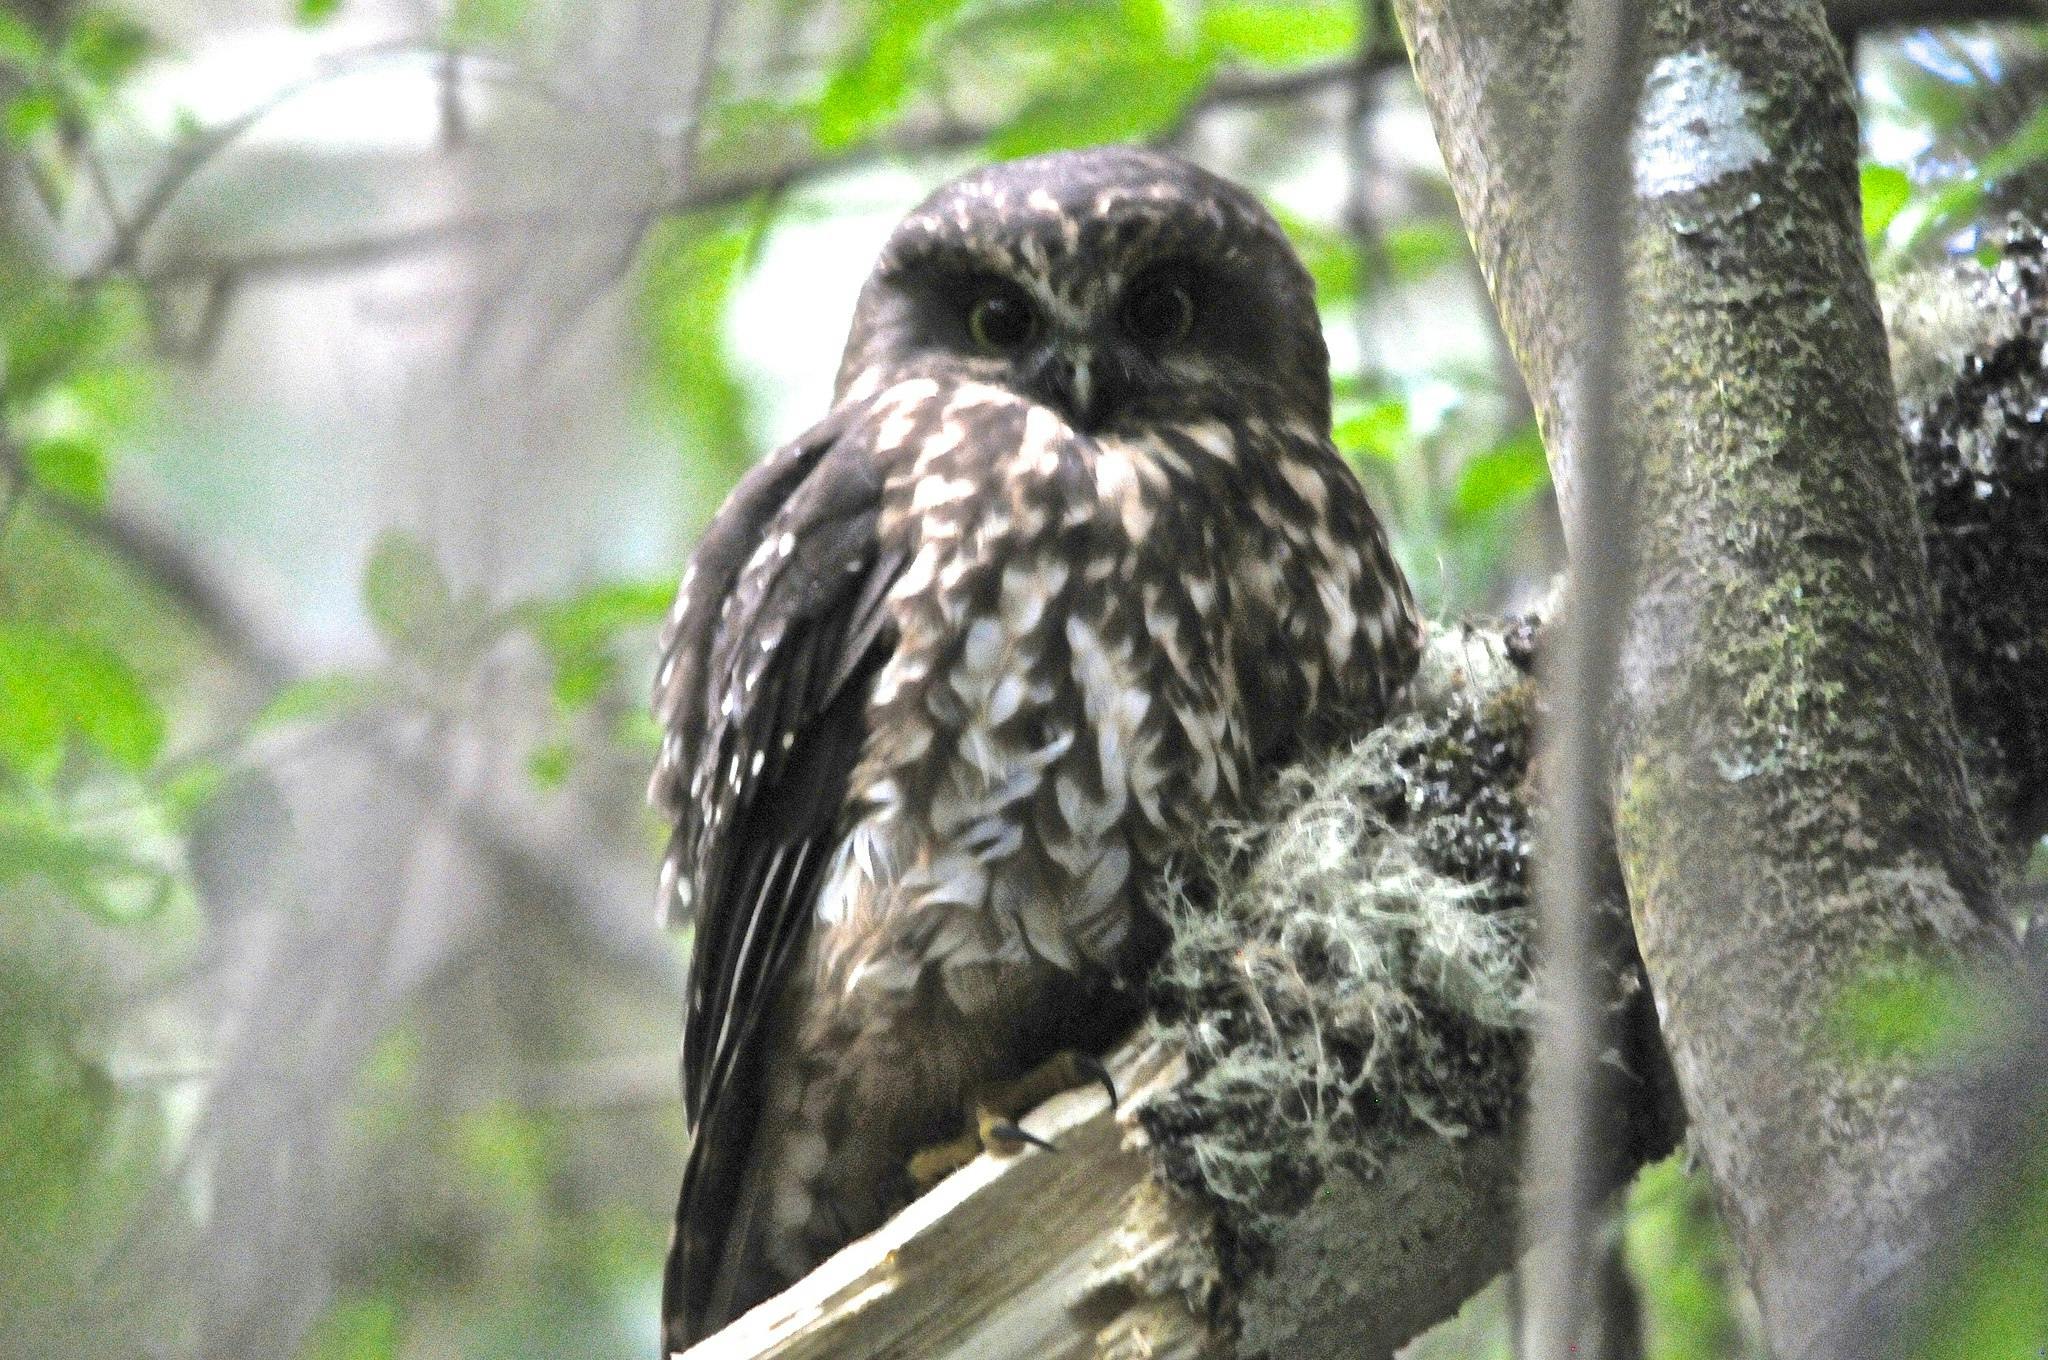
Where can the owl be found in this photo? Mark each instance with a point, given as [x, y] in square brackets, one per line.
[1069, 564]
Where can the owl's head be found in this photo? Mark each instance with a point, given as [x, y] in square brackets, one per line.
[1117, 286]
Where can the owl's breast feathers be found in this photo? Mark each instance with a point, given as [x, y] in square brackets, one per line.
[946, 678]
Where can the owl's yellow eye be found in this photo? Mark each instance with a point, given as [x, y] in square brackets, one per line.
[1001, 320]
[1159, 312]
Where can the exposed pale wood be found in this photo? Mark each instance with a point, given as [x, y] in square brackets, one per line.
[997, 1262]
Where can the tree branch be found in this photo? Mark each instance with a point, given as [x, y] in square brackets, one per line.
[706, 192]
[1563, 1301]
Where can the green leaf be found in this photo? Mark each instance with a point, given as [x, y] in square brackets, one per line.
[637, 729]
[1283, 34]
[52, 684]
[580, 677]
[867, 90]
[30, 114]
[70, 467]
[406, 594]
[316, 11]
[21, 47]
[693, 267]
[2027, 145]
[1992, 1302]
[507, 1151]
[188, 791]
[1680, 1256]
[597, 615]
[578, 633]
[96, 872]
[1503, 478]
[1378, 431]
[1117, 100]
[319, 697]
[54, 334]
[1885, 191]
[104, 46]
[550, 763]
[1936, 213]
[486, 21]
[1329, 255]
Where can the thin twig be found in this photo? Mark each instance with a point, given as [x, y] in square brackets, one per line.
[565, 317]
[1563, 1305]
[723, 191]
[199, 151]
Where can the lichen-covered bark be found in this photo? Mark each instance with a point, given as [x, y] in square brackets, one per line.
[1790, 798]
[1975, 418]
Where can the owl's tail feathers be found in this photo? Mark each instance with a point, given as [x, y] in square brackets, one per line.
[696, 1243]
[741, 1218]
[716, 1211]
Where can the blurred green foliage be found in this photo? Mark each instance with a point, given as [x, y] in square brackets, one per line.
[1683, 1264]
[1968, 103]
[1993, 1302]
[113, 749]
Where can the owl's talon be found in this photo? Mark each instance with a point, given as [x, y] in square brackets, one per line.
[993, 1112]
[1088, 1065]
[1006, 1137]
[930, 1165]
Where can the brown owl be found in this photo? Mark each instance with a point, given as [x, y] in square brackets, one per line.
[1070, 564]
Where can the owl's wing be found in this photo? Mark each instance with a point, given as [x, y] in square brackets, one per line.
[768, 662]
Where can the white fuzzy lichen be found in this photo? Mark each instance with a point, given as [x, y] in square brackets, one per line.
[1695, 125]
[1358, 966]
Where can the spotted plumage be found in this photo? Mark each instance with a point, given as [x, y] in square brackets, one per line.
[1070, 563]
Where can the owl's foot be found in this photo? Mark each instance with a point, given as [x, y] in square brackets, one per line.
[995, 1108]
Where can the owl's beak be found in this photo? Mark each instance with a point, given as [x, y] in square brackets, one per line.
[1068, 379]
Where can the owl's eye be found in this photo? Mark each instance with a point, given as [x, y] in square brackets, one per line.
[1159, 312]
[1001, 320]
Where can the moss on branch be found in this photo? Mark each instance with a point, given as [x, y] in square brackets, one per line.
[1349, 972]
[1359, 974]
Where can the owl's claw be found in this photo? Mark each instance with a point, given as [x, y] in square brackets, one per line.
[994, 1111]
[1006, 1135]
[1088, 1065]
[989, 1131]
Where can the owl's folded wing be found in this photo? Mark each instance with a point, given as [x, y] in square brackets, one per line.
[767, 666]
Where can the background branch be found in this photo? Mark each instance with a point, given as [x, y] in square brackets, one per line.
[1564, 1297]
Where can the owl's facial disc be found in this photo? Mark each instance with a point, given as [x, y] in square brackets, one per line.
[1086, 361]
[1115, 286]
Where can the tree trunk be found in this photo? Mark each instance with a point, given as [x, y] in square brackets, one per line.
[1791, 807]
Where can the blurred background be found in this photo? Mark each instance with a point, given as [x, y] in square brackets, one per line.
[369, 367]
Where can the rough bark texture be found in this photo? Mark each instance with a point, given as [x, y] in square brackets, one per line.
[1791, 806]
[1967, 346]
